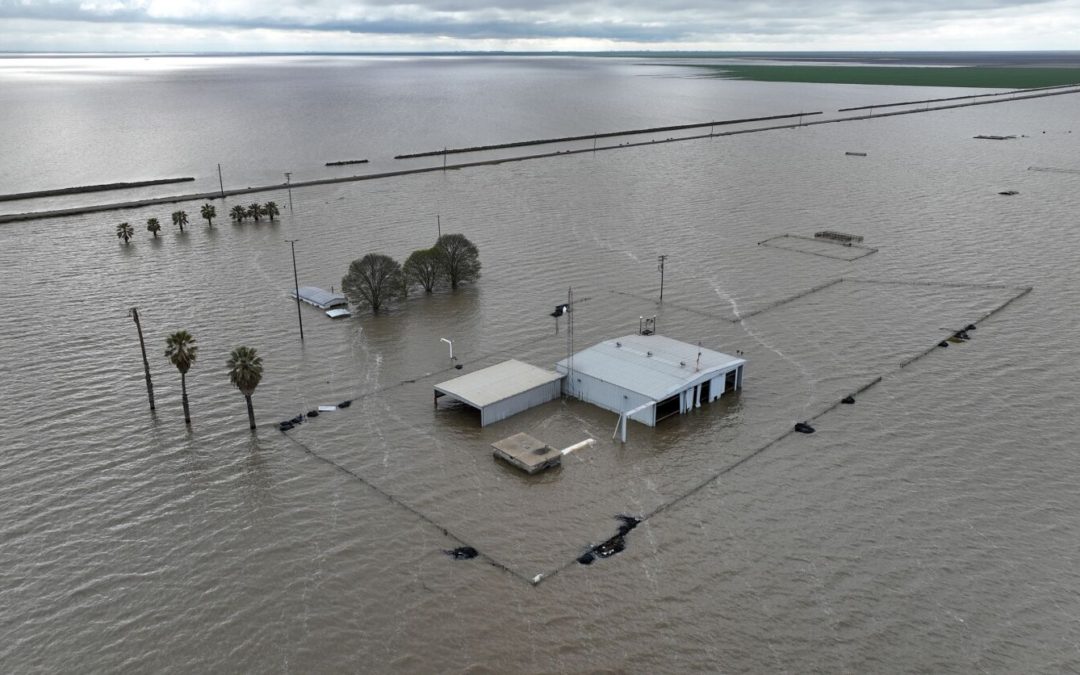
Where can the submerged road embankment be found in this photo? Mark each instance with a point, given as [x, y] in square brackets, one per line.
[103, 187]
[606, 134]
[97, 208]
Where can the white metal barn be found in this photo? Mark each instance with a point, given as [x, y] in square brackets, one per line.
[651, 376]
[502, 390]
[320, 298]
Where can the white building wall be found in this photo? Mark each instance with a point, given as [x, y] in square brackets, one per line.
[716, 387]
[500, 410]
[617, 399]
[610, 397]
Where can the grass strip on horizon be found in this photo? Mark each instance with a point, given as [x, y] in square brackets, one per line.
[981, 77]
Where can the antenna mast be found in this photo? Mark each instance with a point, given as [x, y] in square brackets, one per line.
[570, 338]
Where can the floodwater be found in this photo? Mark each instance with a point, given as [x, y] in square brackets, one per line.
[933, 526]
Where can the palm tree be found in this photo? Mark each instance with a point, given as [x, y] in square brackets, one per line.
[255, 210]
[209, 213]
[271, 210]
[154, 226]
[238, 213]
[179, 218]
[245, 372]
[180, 349]
[124, 231]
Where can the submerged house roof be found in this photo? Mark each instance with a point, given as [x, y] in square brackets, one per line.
[313, 295]
[652, 365]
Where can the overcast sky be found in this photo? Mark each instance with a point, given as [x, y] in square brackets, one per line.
[537, 25]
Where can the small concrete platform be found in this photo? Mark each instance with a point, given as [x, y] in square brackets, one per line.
[527, 453]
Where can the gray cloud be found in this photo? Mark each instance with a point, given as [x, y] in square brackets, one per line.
[631, 21]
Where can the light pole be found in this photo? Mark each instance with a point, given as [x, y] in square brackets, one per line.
[134, 314]
[288, 184]
[296, 286]
[451, 343]
[660, 267]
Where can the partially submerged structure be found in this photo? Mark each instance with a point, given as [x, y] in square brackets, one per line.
[313, 295]
[650, 377]
[502, 390]
[527, 453]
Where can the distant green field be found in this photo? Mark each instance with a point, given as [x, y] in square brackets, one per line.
[982, 77]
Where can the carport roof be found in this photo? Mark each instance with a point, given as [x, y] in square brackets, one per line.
[496, 383]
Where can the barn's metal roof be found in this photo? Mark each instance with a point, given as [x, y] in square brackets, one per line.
[496, 383]
[313, 295]
[652, 365]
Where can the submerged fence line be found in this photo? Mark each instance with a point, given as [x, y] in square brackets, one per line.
[535, 580]
[867, 250]
[411, 509]
[712, 478]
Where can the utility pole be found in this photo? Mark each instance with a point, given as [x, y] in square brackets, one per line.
[296, 285]
[660, 267]
[288, 184]
[438, 223]
[221, 183]
[134, 314]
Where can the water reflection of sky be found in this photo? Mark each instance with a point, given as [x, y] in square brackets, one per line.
[89, 67]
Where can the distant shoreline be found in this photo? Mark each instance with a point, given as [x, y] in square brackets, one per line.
[978, 76]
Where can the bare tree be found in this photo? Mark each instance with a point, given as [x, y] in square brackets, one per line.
[372, 281]
[423, 268]
[459, 257]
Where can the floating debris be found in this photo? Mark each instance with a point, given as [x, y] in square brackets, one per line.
[345, 404]
[1052, 169]
[970, 326]
[988, 137]
[610, 547]
[1009, 193]
[856, 154]
[848, 400]
[943, 344]
[290, 423]
[313, 413]
[841, 237]
[462, 553]
[804, 428]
